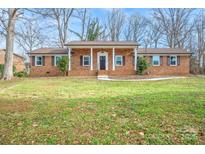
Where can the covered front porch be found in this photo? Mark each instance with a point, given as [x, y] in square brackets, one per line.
[101, 59]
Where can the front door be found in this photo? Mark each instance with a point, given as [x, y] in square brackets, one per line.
[102, 62]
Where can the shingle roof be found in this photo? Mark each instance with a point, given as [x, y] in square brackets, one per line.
[13, 53]
[49, 51]
[102, 43]
[140, 51]
[162, 51]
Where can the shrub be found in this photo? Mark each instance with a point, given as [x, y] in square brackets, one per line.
[142, 65]
[63, 65]
[21, 74]
[1, 69]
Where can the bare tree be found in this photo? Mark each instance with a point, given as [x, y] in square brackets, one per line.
[8, 20]
[115, 22]
[200, 36]
[128, 30]
[89, 28]
[104, 35]
[147, 39]
[3, 22]
[136, 28]
[153, 34]
[176, 25]
[2, 36]
[84, 21]
[60, 19]
[29, 36]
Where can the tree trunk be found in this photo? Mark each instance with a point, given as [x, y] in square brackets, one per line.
[201, 61]
[155, 44]
[8, 64]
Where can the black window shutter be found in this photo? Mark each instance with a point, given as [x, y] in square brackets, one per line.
[150, 60]
[52, 60]
[161, 60]
[123, 59]
[133, 60]
[168, 60]
[81, 60]
[33, 60]
[43, 60]
[178, 60]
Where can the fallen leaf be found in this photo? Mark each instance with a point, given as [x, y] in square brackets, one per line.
[141, 133]
[19, 123]
[35, 125]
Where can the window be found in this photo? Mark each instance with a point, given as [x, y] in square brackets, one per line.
[86, 60]
[38, 61]
[173, 60]
[118, 60]
[57, 59]
[155, 60]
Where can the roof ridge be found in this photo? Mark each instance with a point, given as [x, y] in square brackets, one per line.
[48, 50]
[16, 54]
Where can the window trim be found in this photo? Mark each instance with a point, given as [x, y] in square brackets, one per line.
[55, 59]
[41, 60]
[170, 60]
[83, 60]
[116, 60]
[153, 61]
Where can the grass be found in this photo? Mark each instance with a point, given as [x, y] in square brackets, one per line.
[87, 111]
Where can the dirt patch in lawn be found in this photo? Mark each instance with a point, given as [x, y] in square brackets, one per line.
[14, 107]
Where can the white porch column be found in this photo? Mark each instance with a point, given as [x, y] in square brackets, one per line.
[135, 62]
[91, 58]
[113, 58]
[69, 59]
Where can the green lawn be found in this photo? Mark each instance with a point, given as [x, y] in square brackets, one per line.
[87, 111]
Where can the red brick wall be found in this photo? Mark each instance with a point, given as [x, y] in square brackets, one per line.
[17, 61]
[47, 70]
[76, 68]
[127, 69]
[182, 69]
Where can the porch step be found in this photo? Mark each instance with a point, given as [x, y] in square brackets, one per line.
[102, 77]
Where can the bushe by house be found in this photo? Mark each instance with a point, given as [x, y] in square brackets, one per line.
[18, 61]
[108, 58]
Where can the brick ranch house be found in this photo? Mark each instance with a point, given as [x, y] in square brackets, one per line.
[108, 58]
[18, 61]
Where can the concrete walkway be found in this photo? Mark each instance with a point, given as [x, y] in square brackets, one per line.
[149, 79]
